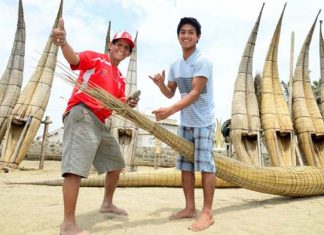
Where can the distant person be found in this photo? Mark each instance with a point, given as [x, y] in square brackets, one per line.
[86, 140]
[192, 74]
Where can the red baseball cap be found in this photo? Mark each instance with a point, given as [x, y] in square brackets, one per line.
[126, 36]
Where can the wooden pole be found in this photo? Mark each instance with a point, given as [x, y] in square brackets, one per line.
[157, 153]
[42, 153]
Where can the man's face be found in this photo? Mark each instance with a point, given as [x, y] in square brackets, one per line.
[120, 50]
[188, 36]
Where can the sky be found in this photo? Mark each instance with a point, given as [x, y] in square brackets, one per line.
[226, 26]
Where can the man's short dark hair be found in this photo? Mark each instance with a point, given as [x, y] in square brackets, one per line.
[192, 21]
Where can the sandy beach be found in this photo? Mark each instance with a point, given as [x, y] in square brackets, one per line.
[33, 209]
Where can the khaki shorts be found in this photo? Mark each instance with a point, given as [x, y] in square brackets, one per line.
[87, 141]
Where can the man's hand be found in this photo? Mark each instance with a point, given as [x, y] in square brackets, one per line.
[158, 79]
[58, 34]
[162, 113]
[133, 99]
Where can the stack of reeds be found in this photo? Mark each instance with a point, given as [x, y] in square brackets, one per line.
[308, 121]
[28, 112]
[10, 83]
[275, 117]
[245, 118]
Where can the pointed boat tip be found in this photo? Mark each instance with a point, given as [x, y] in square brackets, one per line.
[319, 11]
[263, 4]
[285, 6]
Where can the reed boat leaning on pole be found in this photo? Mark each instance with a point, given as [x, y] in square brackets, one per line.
[308, 122]
[300, 181]
[245, 118]
[321, 53]
[124, 131]
[275, 117]
[11, 80]
[28, 112]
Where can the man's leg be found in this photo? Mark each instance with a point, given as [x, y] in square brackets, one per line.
[107, 205]
[205, 219]
[71, 188]
[188, 185]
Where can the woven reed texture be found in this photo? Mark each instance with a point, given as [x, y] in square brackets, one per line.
[308, 121]
[245, 118]
[11, 80]
[32, 103]
[156, 178]
[321, 49]
[275, 117]
[286, 181]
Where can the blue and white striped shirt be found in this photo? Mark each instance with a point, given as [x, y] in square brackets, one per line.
[201, 113]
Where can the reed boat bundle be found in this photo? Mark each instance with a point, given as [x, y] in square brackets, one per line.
[321, 52]
[11, 80]
[124, 131]
[298, 181]
[156, 178]
[107, 38]
[308, 122]
[275, 116]
[28, 112]
[245, 117]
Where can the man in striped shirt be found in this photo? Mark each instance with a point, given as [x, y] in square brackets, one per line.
[192, 74]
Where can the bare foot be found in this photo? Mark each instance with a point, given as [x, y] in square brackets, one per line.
[202, 222]
[112, 209]
[72, 230]
[185, 213]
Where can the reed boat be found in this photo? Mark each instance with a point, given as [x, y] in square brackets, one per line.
[321, 52]
[126, 132]
[107, 38]
[275, 116]
[11, 80]
[156, 178]
[308, 122]
[27, 114]
[245, 117]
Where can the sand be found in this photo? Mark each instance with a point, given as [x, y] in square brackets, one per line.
[33, 209]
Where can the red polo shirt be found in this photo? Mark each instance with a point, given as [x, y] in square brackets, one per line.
[96, 68]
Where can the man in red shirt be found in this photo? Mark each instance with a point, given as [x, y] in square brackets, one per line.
[86, 140]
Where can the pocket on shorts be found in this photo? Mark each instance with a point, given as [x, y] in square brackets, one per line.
[79, 113]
